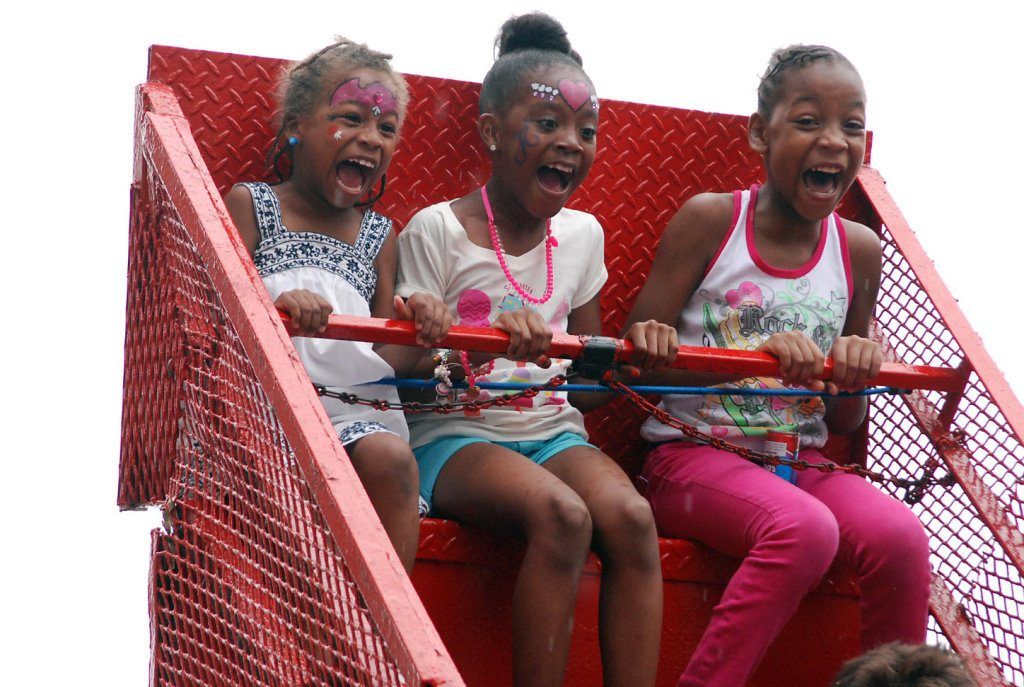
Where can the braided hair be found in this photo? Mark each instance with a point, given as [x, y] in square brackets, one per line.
[523, 45]
[789, 59]
[302, 84]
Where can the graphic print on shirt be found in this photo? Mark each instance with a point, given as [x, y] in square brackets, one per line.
[474, 310]
[747, 317]
[511, 302]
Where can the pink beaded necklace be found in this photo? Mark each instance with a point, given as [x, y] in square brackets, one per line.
[549, 243]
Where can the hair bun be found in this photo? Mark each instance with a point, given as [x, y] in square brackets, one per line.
[534, 31]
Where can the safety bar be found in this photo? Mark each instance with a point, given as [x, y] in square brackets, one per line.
[697, 358]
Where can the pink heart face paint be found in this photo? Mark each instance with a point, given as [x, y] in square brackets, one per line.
[375, 96]
[576, 94]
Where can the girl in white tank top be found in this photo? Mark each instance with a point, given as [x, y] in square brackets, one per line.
[774, 269]
[741, 302]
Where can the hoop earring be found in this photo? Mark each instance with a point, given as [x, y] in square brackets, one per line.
[368, 203]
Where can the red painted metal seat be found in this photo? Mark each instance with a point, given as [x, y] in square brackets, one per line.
[465, 578]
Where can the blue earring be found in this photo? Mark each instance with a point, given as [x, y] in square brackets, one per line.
[293, 141]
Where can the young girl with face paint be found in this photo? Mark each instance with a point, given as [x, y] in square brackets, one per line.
[320, 249]
[773, 268]
[511, 255]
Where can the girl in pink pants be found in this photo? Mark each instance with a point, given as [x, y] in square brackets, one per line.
[787, 535]
[773, 268]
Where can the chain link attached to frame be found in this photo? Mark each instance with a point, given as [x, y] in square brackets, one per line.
[442, 408]
[915, 488]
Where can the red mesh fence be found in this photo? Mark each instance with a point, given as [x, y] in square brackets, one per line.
[271, 569]
[977, 546]
[196, 389]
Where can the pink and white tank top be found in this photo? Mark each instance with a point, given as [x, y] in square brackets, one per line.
[742, 301]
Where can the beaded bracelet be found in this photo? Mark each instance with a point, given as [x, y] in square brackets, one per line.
[473, 372]
[443, 374]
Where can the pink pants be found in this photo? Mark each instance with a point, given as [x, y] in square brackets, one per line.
[788, 537]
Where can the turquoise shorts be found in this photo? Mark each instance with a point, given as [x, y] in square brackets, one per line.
[432, 457]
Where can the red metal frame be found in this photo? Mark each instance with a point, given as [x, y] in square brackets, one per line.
[963, 415]
[168, 149]
[936, 424]
[976, 358]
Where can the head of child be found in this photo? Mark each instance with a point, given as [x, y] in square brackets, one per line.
[538, 116]
[341, 111]
[810, 127]
[904, 665]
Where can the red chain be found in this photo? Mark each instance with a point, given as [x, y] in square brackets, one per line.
[915, 487]
[760, 458]
[442, 408]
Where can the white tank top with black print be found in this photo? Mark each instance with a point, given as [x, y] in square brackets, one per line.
[345, 275]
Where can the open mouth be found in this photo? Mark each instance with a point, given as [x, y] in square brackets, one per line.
[822, 180]
[555, 178]
[353, 174]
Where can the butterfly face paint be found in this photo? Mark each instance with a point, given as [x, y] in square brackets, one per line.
[375, 96]
[576, 94]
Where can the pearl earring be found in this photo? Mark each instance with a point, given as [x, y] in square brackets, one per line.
[493, 147]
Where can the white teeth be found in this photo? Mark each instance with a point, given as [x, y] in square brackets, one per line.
[826, 170]
[364, 163]
[563, 168]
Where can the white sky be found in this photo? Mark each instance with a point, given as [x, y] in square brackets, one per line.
[943, 83]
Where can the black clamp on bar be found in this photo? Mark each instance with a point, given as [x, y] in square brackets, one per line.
[598, 356]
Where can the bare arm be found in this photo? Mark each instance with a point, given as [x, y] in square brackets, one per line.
[239, 204]
[690, 241]
[308, 310]
[429, 313]
[855, 357]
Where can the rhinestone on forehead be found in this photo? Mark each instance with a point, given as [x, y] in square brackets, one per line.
[544, 92]
[376, 96]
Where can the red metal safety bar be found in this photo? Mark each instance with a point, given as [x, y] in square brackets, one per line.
[747, 363]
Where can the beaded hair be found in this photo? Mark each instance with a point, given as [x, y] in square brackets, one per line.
[524, 44]
[903, 665]
[302, 84]
[788, 59]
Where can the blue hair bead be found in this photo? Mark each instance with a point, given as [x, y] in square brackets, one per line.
[293, 141]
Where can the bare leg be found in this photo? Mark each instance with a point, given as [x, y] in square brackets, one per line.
[626, 540]
[387, 468]
[494, 488]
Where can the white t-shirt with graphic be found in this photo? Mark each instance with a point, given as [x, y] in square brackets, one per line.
[741, 302]
[436, 256]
